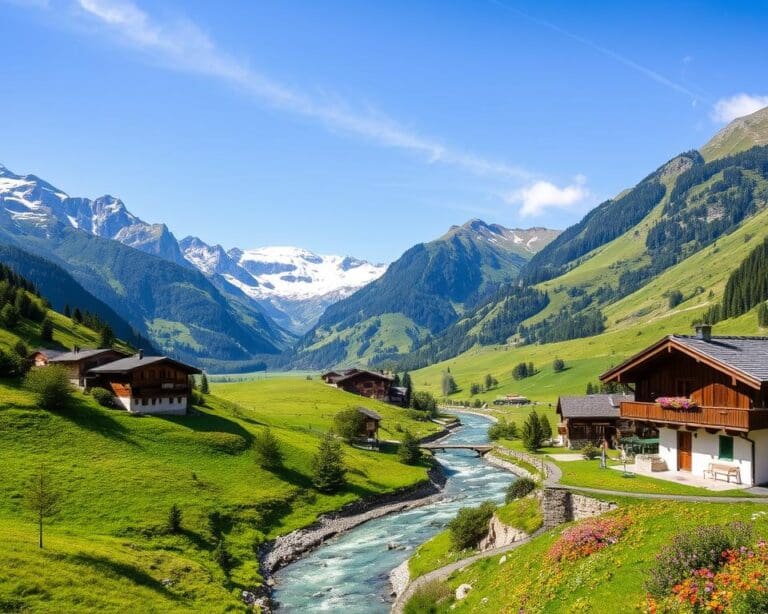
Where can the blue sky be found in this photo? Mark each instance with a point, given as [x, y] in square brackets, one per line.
[365, 127]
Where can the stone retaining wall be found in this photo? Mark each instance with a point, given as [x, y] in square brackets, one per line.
[559, 506]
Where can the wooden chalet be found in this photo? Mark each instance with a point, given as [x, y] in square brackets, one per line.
[147, 384]
[371, 384]
[593, 418]
[708, 397]
[78, 362]
[370, 428]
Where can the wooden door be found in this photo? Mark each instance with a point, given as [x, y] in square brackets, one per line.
[684, 450]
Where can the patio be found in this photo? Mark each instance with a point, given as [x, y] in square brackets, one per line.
[682, 477]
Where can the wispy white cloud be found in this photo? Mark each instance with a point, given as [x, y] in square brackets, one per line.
[182, 45]
[727, 109]
[651, 74]
[540, 196]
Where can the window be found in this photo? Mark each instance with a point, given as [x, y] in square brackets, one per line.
[726, 448]
[684, 387]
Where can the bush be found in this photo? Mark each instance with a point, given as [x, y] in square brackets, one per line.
[519, 489]
[424, 402]
[428, 598]
[477, 404]
[470, 525]
[10, 365]
[348, 423]
[502, 430]
[21, 349]
[475, 389]
[699, 548]
[103, 397]
[448, 384]
[590, 452]
[50, 386]
[173, 523]
[223, 557]
[558, 365]
[409, 451]
[268, 452]
[675, 298]
[328, 465]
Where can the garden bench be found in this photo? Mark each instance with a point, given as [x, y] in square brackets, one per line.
[713, 469]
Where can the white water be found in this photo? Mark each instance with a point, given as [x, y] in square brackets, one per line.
[350, 573]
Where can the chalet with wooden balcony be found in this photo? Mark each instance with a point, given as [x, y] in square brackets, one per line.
[371, 384]
[708, 397]
[147, 384]
[78, 362]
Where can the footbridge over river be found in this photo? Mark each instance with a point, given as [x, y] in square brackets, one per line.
[481, 449]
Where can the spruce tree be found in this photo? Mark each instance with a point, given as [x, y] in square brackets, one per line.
[328, 465]
[46, 329]
[408, 388]
[546, 428]
[532, 434]
[269, 454]
[204, 388]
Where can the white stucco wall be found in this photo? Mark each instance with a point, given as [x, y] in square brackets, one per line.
[706, 447]
[162, 406]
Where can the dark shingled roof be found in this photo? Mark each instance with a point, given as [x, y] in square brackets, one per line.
[79, 355]
[125, 365]
[350, 373]
[746, 354]
[592, 405]
[369, 412]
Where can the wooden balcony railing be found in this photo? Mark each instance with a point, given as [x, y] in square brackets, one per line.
[723, 417]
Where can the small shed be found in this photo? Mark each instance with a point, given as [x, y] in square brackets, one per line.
[371, 419]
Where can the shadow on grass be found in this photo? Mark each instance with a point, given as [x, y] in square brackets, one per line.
[99, 421]
[113, 569]
[205, 422]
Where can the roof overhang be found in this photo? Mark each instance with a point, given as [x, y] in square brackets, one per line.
[668, 345]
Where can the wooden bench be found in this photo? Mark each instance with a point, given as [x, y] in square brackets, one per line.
[713, 469]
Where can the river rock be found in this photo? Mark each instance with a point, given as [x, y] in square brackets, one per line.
[463, 591]
[399, 578]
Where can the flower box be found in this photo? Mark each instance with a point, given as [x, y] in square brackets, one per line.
[676, 403]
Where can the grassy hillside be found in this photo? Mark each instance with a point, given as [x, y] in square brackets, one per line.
[119, 474]
[739, 135]
[610, 580]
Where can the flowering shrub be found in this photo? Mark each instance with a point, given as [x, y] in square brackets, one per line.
[587, 538]
[676, 403]
[739, 585]
[699, 548]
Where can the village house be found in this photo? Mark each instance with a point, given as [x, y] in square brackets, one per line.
[366, 383]
[708, 397]
[593, 418]
[146, 384]
[77, 362]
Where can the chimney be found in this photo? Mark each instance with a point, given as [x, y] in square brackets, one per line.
[704, 332]
[141, 354]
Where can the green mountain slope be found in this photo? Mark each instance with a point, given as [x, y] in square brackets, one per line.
[656, 277]
[422, 293]
[740, 135]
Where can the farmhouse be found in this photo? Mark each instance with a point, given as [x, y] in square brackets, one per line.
[146, 384]
[77, 362]
[593, 418]
[366, 383]
[708, 397]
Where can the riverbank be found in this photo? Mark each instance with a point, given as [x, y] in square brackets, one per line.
[291, 547]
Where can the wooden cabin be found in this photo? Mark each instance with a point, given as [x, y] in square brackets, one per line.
[370, 427]
[147, 384]
[707, 395]
[593, 418]
[78, 362]
[371, 384]
[41, 356]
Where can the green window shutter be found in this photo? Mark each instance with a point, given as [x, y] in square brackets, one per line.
[726, 448]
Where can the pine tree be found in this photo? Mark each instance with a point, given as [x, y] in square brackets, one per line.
[532, 434]
[328, 465]
[408, 388]
[546, 428]
[46, 329]
[269, 454]
[204, 388]
[590, 388]
[106, 337]
[67, 311]
[762, 315]
[77, 316]
[448, 384]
